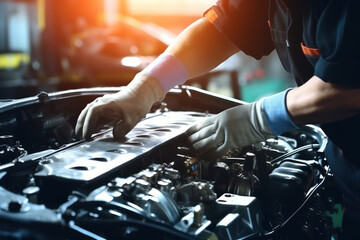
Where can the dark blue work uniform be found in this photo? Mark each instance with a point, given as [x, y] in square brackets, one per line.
[311, 37]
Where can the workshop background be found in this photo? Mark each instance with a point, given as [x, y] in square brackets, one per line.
[52, 45]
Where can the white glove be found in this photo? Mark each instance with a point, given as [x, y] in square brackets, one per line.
[123, 110]
[231, 129]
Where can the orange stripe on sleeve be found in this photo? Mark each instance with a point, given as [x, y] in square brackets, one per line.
[315, 52]
[211, 15]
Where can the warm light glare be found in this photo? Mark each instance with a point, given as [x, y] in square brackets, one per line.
[169, 7]
[131, 61]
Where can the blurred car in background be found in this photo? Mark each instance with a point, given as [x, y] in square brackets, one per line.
[112, 56]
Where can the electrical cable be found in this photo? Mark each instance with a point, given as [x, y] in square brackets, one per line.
[140, 221]
[145, 227]
[295, 151]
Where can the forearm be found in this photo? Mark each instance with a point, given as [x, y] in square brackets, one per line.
[320, 102]
[201, 47]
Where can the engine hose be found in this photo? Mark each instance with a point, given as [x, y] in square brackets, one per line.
[280, 227]
[123, 208]
[295, 151]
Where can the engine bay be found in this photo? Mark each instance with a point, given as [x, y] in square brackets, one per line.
[151, 184]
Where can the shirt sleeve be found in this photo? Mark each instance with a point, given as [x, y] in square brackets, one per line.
[244, 22]
[338, 40]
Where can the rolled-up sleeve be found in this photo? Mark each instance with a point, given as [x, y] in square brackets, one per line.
[338, 40]
[245, 23]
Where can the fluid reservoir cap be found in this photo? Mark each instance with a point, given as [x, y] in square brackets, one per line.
[31, 190]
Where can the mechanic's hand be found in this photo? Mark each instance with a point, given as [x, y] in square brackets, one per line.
[123, 110]
[231, 129]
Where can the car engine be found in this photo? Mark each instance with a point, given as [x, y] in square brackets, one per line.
[151, 184]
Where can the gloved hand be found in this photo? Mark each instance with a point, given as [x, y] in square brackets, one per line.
[241, 126]
[231, 129]
[123, 110]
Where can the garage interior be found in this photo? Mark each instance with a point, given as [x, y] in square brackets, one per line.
[56, 56]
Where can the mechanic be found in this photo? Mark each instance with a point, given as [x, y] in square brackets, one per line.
[317, 41]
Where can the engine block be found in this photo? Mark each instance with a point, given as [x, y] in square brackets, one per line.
[151, 184]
